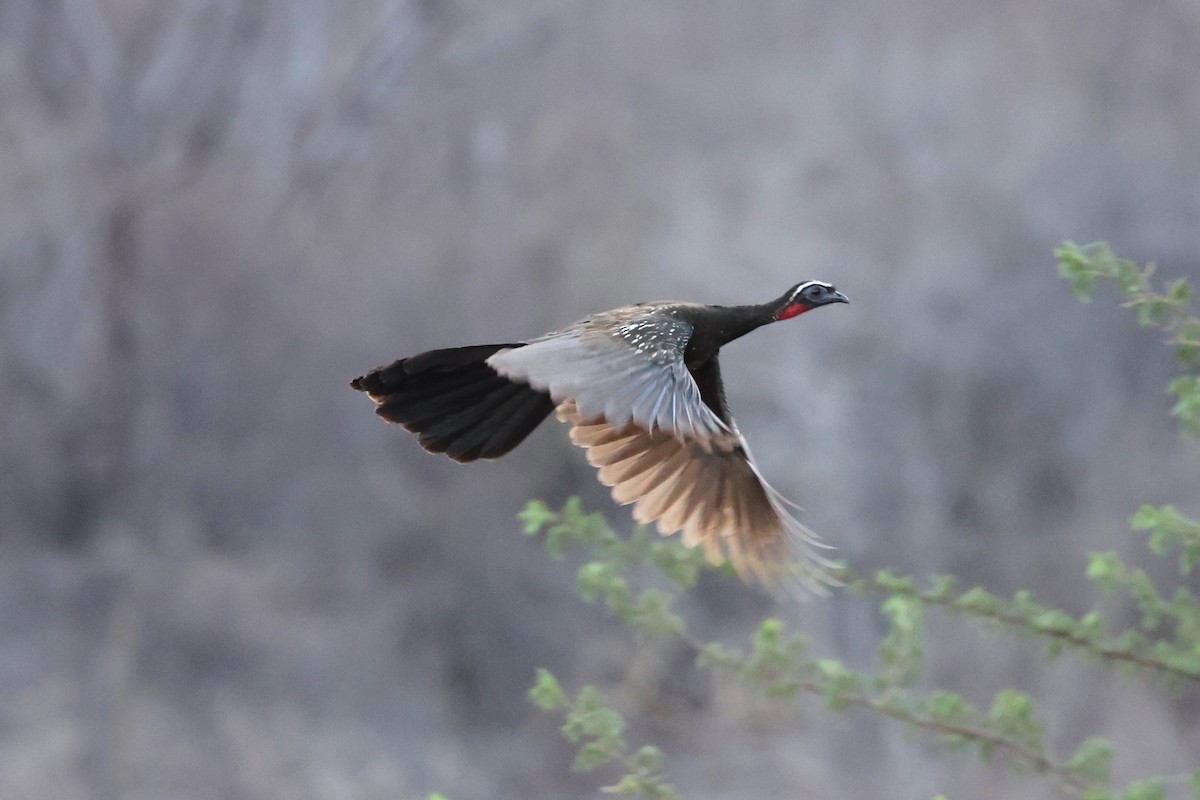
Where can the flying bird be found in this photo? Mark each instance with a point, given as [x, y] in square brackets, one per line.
[641, 388]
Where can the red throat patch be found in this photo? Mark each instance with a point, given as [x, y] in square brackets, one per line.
[794, 310]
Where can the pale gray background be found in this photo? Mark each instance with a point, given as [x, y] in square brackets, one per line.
[222, 577]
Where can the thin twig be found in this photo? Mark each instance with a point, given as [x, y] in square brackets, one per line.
[1035, 758]
[1143, 660]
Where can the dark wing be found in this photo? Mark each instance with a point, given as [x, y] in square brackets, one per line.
[455, 402]
[625, 367]
[711, 491]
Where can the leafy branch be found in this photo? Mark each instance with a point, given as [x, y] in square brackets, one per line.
[776, 666]
[779, 665]
[1087, 266]
[1170, 530]
[599, 731]
[1177, 658]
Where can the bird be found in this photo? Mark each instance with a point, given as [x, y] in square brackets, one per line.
[641, 388]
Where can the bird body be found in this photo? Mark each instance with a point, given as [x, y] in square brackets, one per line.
[641, 388]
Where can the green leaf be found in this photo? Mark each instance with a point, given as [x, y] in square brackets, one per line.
[573, 510]
[942, 587]
[767, 651]
[591, 756]
[1091, 627]
[628, 785]
[1170, 529]
[648, 759]
[653, 616]
[1107, 570]
[642, 786]
[546, 693]
[768, 632]
[841, 683]
[1024, 604]
[1149, 789]
[535, 516]
[715, 654]
[898, 584]
[979, 601]
[679, 563]
[901, 649]
[1073, 265]
[1093, 761]
[947, 707]
[1012, 714]
[598, 579]
[1153, 311]
[599, 728]
[1187, 345]
[1180, 292]
[593, 579]
[1054, 621]
[904, 612]
[1143, 592]
[1168, 311]
[1148, 517]
[1187, 408]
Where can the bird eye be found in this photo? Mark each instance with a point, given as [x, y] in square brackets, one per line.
[815, 291]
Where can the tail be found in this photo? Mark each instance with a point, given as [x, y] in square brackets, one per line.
[456, 403]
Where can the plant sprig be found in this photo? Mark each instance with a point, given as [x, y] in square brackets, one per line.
[599, 731]
[777, 664]
[1175, 656]
[1089, 265]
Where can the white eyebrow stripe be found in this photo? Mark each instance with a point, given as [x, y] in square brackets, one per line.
[807, 284]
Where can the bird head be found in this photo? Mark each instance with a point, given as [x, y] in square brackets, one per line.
[807, 296]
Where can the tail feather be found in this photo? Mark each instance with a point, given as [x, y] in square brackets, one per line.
[482, 424]
[516, 426]
[432, 401]
[450, 426]
[393, 382]
[456, 403]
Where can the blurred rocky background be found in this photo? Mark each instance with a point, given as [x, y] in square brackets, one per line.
[222, 577]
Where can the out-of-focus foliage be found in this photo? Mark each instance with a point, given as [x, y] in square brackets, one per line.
[779, 665]
[1167, 309]
[599, 731]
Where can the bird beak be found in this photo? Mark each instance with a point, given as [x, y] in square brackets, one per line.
[838, 297]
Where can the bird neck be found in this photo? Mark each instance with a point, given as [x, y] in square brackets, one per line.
[736, 321]
[716, 326]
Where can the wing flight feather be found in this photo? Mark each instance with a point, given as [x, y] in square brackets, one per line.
[712, 494]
